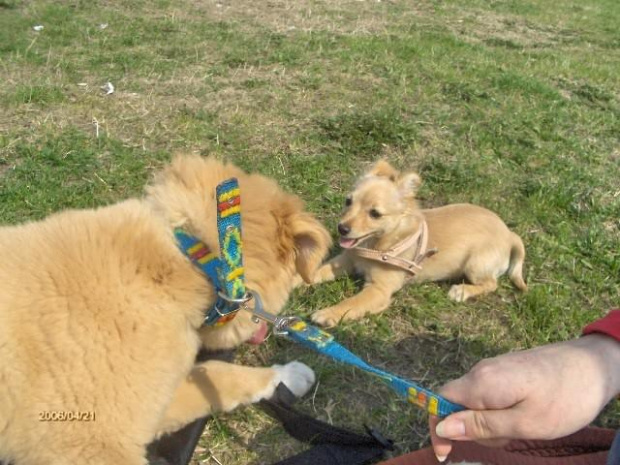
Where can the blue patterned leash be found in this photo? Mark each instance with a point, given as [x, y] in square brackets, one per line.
[324, 343]
[225, 270]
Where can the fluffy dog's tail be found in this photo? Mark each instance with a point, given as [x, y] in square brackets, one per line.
[515, 269]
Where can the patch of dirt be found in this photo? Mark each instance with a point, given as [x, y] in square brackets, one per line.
[508, 31]
[356, 17]
[4, 168]
[157, 112]
[612, 226]
[8, 161]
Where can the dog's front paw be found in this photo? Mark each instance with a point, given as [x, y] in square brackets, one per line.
[458, 293]
[328, 317]
[332, 316]
[297, 376]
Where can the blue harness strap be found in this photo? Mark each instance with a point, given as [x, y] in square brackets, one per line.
[324, 343]
[225, 272]
[229, 233]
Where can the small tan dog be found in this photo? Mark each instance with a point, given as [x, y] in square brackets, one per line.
[402, 242]
[100, 316]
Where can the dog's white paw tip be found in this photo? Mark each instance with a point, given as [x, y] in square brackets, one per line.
[297, 376]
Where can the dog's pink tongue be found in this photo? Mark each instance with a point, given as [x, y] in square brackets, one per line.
[260, 334]
[346, 243]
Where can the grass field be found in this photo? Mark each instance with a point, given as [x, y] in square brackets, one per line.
[510, 104]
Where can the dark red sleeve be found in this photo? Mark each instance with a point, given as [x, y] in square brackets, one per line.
[609, 325]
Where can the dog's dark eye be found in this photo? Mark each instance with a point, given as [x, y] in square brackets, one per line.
[347, 202]
[374, 213]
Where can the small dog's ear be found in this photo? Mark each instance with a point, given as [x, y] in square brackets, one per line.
[384, 170]
[409, 183]
[312, 242]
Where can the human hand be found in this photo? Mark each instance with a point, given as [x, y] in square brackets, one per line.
[542, 393]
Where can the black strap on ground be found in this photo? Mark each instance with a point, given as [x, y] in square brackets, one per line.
[177, 448]
[333, 454]
[332, 445]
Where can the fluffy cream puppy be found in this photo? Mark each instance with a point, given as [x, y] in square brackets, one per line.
[100, 317]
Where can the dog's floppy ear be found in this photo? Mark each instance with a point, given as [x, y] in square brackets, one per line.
[384, 170]
[409, 183]
[312, 242]
[301, 237]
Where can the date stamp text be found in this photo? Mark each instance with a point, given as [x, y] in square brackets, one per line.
[66, 415]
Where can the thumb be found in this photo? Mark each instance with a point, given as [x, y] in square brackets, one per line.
[478, 425]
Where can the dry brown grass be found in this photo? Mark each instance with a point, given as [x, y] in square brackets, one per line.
[357, 17]
[480, 26]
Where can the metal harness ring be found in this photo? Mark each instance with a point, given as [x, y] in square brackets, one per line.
[242, 300]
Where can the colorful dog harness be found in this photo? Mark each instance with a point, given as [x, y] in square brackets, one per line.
[392, 256]
[225, 270]
[320, 341]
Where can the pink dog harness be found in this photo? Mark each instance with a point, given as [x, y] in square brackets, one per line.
[419, 239]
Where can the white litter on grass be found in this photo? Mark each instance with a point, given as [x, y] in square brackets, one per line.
[108, 88]
[82, 84]
[102, 26]
[38, 27]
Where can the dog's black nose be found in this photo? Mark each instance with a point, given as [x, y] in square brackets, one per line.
[343, 229]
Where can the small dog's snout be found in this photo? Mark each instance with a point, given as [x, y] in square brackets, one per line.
[343, 229]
